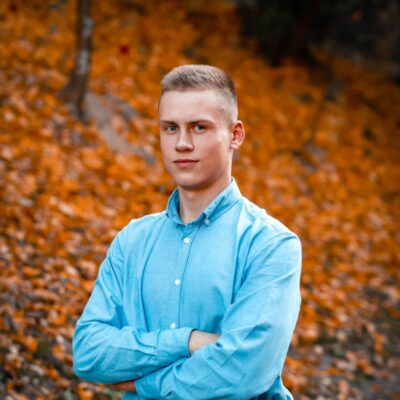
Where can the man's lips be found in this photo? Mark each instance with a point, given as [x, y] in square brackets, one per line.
[185, 161]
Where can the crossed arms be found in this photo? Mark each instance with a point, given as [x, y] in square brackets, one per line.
[243, 362]
[197, 340]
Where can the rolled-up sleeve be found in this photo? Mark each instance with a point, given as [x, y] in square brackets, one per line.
[256, 332]
[107, 351]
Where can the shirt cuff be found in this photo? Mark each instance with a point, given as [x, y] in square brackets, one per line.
[156, 384]
[174, 342]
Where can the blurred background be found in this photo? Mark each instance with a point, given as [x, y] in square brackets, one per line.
[318, 87]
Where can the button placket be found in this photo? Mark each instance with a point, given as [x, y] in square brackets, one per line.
[187, 236]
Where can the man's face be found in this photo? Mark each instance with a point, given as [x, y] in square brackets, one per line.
[195, 138]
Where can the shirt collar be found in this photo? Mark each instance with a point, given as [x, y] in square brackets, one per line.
[223, 202]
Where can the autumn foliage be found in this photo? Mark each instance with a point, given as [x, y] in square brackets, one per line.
[321, 154]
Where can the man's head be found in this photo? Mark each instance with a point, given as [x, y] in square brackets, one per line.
[199, 129]
[204, 77]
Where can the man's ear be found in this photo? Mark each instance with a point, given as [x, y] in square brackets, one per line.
[237, 135]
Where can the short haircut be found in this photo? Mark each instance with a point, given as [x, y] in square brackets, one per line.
[203, 77]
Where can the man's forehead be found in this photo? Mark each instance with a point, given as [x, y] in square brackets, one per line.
[190, 104]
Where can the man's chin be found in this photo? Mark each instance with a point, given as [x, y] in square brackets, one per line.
[191, 185]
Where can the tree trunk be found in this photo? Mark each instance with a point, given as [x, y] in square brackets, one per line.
[74, 91]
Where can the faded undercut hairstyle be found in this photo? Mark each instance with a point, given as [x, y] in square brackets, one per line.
[203, 77]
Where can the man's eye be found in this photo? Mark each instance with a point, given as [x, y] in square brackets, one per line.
[170, 128]
[199, 128]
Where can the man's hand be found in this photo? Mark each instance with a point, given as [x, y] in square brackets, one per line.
[199, 339]
[127, 386]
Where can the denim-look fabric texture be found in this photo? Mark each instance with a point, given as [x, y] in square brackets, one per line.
[235, 270]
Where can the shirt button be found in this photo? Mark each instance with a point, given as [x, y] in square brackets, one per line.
[173, 325]
[207, 221]
[186, 240]
[177, 282]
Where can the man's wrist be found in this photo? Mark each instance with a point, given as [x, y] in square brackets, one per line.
[191, 349]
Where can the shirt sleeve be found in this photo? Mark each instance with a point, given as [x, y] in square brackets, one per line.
[107, 351]
[255, 334]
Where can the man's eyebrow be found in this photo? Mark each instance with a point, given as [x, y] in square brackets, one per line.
[201, 120]
[166, 121]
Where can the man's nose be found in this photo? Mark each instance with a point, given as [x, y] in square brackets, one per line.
[183, 141]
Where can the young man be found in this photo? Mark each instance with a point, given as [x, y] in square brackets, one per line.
[198, 301]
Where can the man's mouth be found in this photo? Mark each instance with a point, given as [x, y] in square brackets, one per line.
[185, 161]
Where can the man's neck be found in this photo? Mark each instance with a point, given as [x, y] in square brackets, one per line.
[193, 202]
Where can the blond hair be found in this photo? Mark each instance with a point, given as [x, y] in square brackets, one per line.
[203, 77]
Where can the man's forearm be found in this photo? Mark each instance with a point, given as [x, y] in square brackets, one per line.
[197, 340]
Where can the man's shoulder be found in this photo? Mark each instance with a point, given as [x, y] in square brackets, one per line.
[146, 220]
[268, 233]
[138, 226]
[263, 223]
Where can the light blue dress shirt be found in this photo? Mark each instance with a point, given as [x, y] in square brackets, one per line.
[235, 270]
